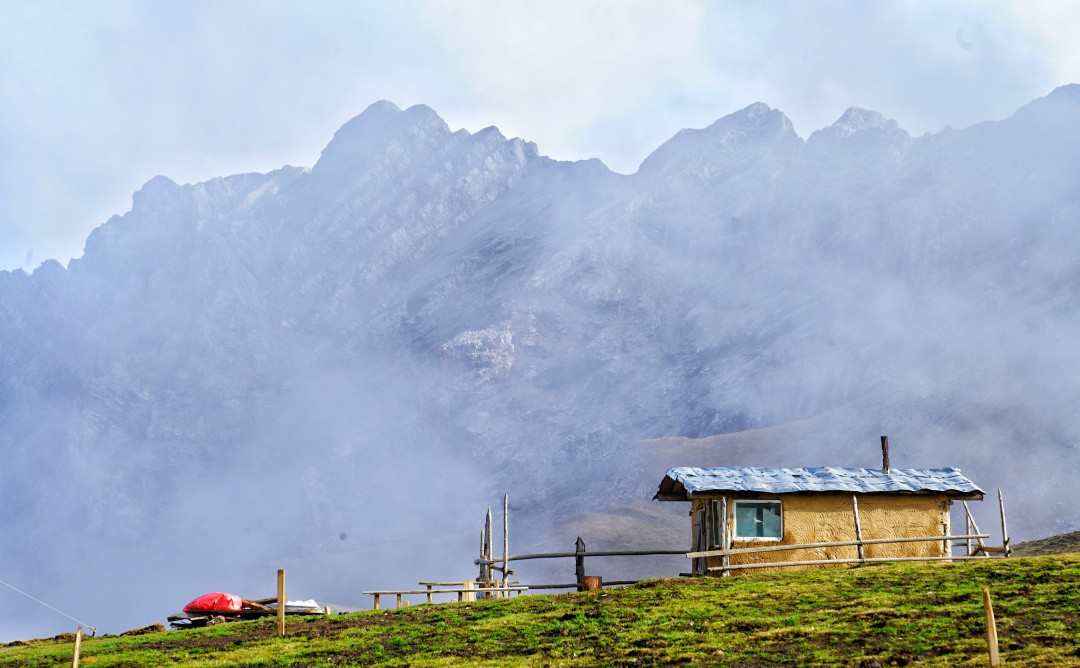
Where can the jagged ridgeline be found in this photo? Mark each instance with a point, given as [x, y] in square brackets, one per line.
[344, 365]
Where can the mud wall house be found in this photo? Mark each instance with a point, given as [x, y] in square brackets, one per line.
[742, 507]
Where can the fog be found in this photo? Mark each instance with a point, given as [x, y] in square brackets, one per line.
[336, 370]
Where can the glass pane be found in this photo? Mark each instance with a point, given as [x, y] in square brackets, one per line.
[758, 519]
[770, 520]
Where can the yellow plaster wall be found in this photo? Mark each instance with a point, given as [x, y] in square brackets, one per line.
[819, 518]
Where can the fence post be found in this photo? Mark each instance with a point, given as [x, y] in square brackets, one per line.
[579, 563]
[1004, 531]
[967, 532]
[506, 547]
[488, 548]
[991, 629]
[78, 646]
[858, 527]
[725, 534]
[281, 603]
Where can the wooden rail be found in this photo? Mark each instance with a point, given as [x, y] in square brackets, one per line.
[428, 591]
[861, 559]
[597, 553]
[842, 543]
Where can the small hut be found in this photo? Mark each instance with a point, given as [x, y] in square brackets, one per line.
[742, 507]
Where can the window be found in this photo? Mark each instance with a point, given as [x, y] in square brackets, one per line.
[758, 519]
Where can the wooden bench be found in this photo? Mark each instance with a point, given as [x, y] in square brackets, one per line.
[429, 590]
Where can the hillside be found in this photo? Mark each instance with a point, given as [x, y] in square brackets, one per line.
[1060, 544]
[884, 615]
[325, 368]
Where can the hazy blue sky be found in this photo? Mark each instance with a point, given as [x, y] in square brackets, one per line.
[97, 98]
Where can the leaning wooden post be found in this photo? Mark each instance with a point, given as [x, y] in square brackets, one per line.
[78, 647]
[858, 527]
[975, 526]
[1007, 551]
[281, 603]
[506, 546]
[967, 532]
[579, 563]
[991, 629]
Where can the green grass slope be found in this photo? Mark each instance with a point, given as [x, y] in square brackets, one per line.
[925, 614]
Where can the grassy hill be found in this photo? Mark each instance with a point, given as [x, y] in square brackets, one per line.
[926, 614]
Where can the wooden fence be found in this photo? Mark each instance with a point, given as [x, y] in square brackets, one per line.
[490, 564]
[725, 554]
[578, 555]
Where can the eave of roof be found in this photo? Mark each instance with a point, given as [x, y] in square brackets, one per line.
[682, 483]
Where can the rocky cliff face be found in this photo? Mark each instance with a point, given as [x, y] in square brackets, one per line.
[324, 364]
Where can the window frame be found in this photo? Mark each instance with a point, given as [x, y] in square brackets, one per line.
[735, 520]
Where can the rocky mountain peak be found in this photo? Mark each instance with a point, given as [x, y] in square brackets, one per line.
[381, 127]
[857, 122]
[757, 127]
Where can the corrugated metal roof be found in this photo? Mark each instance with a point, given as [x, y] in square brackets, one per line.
[687, 481]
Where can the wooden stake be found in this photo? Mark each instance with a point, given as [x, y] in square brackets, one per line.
[78, 647]
[579, 563]
[725, 536]
[482, 557]
[1004, 530]
[967, 530]
[991, 629]
[506, 545]
[858, 527]
[281, 603]
[488, 547]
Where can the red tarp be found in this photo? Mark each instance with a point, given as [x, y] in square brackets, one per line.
[215, 601]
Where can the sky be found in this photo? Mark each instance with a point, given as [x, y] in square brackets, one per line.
[98, 98]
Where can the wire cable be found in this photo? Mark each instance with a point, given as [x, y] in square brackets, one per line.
[37, 600]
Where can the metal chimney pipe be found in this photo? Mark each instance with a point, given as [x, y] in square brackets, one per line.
[885, 454]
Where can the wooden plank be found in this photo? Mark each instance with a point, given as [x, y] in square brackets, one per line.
[255, 605]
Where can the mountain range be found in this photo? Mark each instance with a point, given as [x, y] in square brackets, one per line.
[340, 367]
